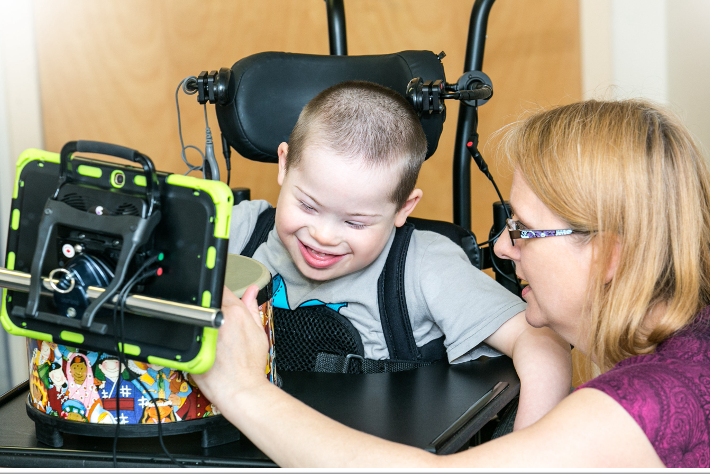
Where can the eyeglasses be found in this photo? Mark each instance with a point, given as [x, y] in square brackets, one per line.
[516, 230]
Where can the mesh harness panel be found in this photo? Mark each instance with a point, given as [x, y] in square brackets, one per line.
[319, 339]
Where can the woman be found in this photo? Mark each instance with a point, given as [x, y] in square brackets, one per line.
[618, 264]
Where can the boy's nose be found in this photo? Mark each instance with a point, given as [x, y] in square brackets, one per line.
[325, 234]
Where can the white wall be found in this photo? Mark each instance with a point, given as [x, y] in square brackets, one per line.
[688, 23]
[20, 128]
[657, 49]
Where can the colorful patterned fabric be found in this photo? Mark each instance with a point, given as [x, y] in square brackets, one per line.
[534, 234]
[91, 390]
[668, 394]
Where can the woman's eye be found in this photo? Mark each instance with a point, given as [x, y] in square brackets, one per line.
[355, 225]
[519, 225]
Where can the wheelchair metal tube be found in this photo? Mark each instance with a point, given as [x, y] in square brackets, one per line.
[336, 27]
[462, 160]
[139, 304]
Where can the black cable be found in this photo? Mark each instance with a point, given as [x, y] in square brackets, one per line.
[227, 152]
[190, 166]
[121, 360]
[124, 296]
[472, 146]
[141, 274]
[493, 239]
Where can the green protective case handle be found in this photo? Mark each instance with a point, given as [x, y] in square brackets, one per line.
[87, 146]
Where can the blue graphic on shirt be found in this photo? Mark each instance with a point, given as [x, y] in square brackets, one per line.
[281, 300]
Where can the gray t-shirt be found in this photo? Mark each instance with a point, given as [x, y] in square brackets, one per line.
[446, 295]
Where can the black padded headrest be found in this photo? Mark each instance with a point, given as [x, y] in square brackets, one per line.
[269, 90]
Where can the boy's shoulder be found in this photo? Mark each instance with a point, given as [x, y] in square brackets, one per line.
[243, 221]
[249, 208]
[431, 244]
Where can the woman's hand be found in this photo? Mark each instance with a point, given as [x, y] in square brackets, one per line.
[242, 348]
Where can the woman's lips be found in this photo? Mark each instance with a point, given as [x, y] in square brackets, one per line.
[526, 290]
[317, 259]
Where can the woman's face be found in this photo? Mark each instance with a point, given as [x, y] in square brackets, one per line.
[556, 268]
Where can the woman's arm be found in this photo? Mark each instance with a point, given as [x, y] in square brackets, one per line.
[587, 429]
[543, 362]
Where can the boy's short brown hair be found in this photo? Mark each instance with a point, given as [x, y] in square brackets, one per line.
[363, 120]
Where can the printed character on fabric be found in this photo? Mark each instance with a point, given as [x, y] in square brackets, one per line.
[164, 409]
[195, 405]
[156, 380]
[74, 410]
[180, 389]
[38, 391]
[42, 358]
[58, 385]
[115, 389]
[281, 298]
[81, 387]
[266, 311]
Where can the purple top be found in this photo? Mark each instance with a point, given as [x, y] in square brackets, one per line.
[668, 394]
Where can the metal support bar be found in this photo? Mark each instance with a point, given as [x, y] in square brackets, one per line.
[336, 27]
[139, 304]
[462, 160]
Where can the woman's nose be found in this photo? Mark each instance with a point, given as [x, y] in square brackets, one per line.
[504, 247]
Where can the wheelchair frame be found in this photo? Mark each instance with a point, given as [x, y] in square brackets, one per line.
[467, 123]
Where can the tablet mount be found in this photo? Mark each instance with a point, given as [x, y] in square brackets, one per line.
[94, 267]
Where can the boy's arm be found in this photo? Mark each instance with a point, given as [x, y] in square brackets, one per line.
[543, 362]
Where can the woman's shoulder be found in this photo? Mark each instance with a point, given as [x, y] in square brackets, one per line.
[666, 392]
[691, 344]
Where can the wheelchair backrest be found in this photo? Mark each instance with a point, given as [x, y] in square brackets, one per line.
[267, 92]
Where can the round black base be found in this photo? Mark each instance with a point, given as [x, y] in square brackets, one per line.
[216, 430]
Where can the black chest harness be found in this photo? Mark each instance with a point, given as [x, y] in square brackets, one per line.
[318, 338]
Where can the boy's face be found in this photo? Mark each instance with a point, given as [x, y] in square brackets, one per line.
[334, 215]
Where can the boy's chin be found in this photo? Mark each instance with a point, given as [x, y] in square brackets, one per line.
[317, 274]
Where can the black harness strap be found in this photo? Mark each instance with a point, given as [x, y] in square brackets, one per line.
[264, 224]
[394, 316]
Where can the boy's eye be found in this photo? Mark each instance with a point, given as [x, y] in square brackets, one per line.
[306, 206]
[355, 225]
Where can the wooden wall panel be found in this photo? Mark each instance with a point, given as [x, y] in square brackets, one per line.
[108, 70]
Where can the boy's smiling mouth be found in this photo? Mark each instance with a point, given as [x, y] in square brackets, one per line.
[317, 259]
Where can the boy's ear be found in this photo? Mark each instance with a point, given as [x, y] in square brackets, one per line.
[283, 152]
[408, 207]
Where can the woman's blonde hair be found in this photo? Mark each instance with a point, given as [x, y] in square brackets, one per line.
[628, 173]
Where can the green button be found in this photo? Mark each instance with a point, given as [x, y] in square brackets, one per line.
[15, 224]
[211, 257]
[91, 171]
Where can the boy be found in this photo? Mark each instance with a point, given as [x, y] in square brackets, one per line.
[347, 179]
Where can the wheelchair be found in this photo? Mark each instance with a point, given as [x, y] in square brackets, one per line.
[257, 103]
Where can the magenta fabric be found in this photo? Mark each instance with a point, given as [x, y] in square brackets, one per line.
[668, 394]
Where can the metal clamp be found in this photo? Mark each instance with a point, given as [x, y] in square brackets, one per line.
[53, 282]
